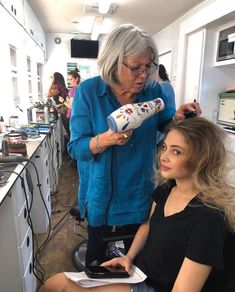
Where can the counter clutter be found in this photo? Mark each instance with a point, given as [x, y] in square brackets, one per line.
[25, 207]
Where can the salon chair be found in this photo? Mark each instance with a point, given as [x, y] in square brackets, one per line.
[224, 281]
[115, 235]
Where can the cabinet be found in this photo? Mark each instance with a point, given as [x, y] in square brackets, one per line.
[41, 38]
[30, 21]
[16, 256]
[15, 8]
[41, 200]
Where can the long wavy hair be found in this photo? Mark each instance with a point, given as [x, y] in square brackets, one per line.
[211, 163]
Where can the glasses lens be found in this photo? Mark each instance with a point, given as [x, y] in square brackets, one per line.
[149, 69]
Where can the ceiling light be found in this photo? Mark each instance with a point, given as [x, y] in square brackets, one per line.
[104, 6]
[85, 24]
[97, 27]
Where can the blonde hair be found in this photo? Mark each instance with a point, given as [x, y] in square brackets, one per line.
[211, 163]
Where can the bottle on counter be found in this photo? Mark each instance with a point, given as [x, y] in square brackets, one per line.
[5, 148]
[2, 125]
[46, 115]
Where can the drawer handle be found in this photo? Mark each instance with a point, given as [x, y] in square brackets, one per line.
[28, 241]
[25, 213]
[30, 268]
[37, 156]
[47, 180]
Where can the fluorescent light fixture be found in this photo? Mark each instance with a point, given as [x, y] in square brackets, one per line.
[97, 27]
[85, 24]
[104, 6]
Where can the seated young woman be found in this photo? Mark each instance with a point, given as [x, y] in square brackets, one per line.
[192, 212]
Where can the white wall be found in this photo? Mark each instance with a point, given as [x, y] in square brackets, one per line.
[209, 15]
[58, 55]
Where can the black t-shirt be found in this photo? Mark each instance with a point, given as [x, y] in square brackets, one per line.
[198, 233]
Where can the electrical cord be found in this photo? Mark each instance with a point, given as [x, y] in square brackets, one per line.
[29, 221]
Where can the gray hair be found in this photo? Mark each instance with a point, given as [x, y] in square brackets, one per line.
[125, 40]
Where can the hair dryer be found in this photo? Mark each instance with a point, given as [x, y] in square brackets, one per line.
[131, 116]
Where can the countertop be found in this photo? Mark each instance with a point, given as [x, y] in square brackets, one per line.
[32, 146]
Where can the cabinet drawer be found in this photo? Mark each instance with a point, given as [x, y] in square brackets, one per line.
[21, 224]
[18, 194]
[46, 185]
[46, 166]
[25, 250]
[29, 280]
[44, 147]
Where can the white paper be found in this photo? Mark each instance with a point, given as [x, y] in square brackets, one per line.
[83, 280]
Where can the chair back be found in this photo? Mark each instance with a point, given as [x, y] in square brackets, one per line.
[224, 281]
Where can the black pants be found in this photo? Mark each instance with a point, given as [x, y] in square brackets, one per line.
[96, 248]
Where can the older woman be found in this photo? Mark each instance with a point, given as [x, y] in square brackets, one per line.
[116, 169]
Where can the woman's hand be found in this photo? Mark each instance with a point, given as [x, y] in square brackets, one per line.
[61, 99]
[124, 261]
[110, 138]
[192, 107]
[102, 141]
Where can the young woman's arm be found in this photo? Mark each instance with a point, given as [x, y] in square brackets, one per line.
[140, 237]
[191, 277]
[136, 246]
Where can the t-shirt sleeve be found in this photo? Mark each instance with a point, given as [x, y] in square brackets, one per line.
[162, 190]
[206, 241]
[159, 193]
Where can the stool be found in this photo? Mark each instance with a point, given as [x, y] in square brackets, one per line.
[116, 234]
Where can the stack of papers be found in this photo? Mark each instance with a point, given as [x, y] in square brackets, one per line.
[83, 280]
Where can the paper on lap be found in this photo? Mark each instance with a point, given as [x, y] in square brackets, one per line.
[81, 278]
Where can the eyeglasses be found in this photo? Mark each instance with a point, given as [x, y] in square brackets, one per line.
[136, 71]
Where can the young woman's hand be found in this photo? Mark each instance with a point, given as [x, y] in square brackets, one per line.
[124, 261]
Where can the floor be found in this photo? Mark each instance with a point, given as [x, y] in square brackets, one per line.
[55, 256]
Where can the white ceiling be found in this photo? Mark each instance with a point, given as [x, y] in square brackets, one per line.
[152, 15]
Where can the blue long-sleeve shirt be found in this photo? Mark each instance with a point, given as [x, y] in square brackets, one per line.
[115, 186]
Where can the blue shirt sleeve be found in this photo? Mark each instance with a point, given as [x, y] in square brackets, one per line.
[165, 116]
[80, 127]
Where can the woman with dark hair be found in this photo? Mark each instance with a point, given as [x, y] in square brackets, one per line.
[164, 81]
[74, 79]
[56, 90]
[57, 87]
[168, 91]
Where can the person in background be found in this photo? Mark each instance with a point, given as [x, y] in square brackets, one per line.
[168, 91]
[56, 90]
[164, 81]
[57, 87]
[116, 169]
[74, 79]
[180, 248]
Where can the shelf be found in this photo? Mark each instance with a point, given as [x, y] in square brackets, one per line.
[230, 62]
